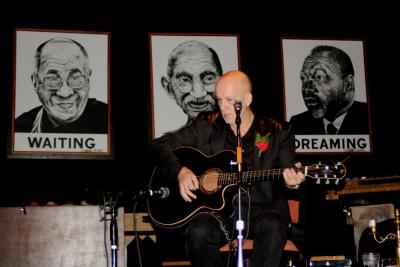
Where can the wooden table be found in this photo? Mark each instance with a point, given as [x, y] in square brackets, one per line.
[368, 185]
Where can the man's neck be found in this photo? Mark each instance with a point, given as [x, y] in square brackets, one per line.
[52, 121]
[246, 121]
[340, 112]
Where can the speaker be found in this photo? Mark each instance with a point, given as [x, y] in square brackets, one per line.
[67, 236]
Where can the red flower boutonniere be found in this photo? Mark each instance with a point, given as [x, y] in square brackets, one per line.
[262, 142]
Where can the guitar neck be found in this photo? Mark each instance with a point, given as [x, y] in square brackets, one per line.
[253, 176]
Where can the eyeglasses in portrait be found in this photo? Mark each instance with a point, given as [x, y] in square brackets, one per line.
[61, 102]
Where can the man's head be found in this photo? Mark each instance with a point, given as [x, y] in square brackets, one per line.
[233, 86]
[327, 79]
[193, 70]
[61, 78]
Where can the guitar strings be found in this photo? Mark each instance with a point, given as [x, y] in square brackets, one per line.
[255, 175]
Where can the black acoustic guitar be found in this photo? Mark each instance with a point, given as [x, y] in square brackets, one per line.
[218, 183]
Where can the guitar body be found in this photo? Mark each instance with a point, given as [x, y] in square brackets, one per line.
[173, 211]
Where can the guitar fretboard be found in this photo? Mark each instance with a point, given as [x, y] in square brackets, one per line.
[252, 176]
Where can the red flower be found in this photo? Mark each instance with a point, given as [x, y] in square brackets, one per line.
[262, 142]
[263, 146]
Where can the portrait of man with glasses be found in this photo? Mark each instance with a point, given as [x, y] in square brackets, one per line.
[61, 80]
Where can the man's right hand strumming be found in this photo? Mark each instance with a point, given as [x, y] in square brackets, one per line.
[187, 183]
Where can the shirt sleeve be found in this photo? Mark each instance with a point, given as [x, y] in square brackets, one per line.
[162, 149]
[287, 160]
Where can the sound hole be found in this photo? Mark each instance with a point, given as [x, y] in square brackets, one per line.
[209, 182]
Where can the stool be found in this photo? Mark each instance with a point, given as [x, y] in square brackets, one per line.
[294, 208]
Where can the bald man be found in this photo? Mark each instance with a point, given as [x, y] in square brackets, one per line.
[266, 144]
[62, 82]
[193, 70]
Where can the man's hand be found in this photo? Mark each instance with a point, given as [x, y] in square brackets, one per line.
[187, 183]
[292, 178]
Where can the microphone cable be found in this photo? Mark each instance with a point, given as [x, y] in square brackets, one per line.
[136, 233]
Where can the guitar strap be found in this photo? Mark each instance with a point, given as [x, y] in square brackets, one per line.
[223, 226]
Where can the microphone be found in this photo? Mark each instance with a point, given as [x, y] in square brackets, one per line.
[238, 107]
[162, 192]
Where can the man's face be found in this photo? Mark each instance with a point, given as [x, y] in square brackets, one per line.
[227, 93]
[193, 82]
[62, 82]
[322, 86]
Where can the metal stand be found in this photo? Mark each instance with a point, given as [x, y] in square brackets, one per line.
[392, 236]
[111, 209]
[239, 222]
[114, 238]
[398, 235]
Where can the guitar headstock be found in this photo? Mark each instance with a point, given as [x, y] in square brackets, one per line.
[324, 172]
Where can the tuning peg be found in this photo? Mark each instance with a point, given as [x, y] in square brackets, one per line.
[336, 181]
[327, 181]
[318, 181]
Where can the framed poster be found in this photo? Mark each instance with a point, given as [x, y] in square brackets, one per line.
[61, 104]
[184, 71]
[326, 96]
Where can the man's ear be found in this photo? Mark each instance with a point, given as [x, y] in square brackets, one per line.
[88, 79]
[348, 84]
[248, 99]
[166, 84]
[35, 81]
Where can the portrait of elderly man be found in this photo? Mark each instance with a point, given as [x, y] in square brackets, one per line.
[193, 70]
[61, 80]
[184, 71]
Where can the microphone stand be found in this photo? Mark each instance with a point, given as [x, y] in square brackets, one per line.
[114, 237]
[111, 208]
[239, 222]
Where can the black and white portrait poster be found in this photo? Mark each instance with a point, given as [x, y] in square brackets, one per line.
[61, 94]
[326, 96]
[184, 71]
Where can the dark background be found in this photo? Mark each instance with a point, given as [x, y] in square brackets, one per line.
[260, 29]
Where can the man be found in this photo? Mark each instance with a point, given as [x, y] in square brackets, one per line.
[269, 217]
[193, 70]
[328, 90]
[62, 82]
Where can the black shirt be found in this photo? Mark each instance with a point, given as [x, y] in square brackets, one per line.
[247, 145]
